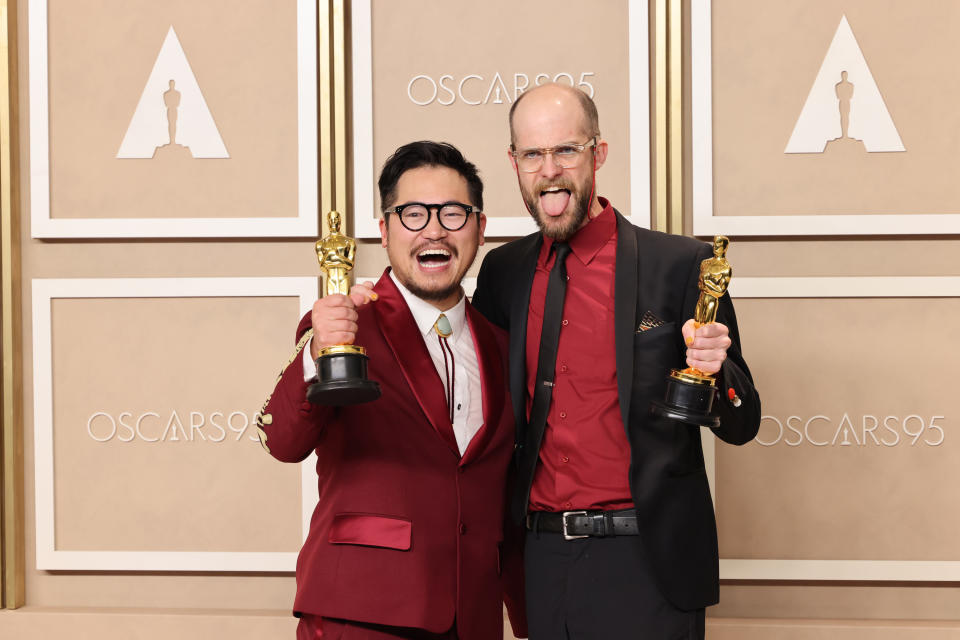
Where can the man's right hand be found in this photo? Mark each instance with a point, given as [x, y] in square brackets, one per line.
[334, 317]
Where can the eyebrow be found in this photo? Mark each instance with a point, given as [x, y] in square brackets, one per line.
[558, 144]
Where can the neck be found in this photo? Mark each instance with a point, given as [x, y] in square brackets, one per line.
[595, 208]
[593, 211]
[447, 303]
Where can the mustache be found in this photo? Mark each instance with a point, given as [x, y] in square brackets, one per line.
[561, 182]
[434, 245]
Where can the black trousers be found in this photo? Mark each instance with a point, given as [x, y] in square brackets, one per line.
[599, 589]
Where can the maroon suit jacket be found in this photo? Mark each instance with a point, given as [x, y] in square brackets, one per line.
[406, 532]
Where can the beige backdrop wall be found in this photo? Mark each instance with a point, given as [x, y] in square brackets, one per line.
[848, 354]
[457, 85]
[143, 483]
[151, 507]
[836, 527]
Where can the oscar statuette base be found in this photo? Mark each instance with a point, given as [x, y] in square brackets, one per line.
[688, 399]
[342, 377]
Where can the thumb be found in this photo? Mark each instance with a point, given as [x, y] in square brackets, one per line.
[363, 293]
[689, 331]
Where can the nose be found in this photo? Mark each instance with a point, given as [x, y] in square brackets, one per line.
[434, 230]
[550, 168]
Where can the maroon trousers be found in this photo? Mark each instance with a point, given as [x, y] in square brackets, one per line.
[317, 628]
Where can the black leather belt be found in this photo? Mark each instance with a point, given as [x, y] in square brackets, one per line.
[584, 524]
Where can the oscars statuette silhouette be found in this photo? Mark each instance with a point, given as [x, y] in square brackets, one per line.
[341, 368]
[690, 392]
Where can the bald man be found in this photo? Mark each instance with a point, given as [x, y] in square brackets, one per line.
[621, 537]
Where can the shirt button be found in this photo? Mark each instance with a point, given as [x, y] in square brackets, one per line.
[563, 368]
[566, 322]
[463, 528]
[563, 414]
[567, 505]
[564, 459]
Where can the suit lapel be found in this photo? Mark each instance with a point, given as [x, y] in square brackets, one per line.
[625, 311]
[491, 380]
[405, 340]
[519, 307]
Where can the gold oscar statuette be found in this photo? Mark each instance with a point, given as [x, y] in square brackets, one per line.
[690, 392]
[341, 368]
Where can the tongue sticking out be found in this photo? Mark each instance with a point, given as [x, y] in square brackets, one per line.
[554, 202]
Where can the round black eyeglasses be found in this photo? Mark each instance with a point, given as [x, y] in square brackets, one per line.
[415, 216]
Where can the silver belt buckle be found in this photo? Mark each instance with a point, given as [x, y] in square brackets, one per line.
[567, 536]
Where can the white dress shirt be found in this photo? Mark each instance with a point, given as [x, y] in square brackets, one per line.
[467, 392]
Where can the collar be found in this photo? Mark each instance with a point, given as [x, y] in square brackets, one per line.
[425, 314]
[587, 242]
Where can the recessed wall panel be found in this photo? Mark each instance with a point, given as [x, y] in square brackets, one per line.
[180, 118]
[824, 118]
[451, 71]
[852, 474]
[147, 448]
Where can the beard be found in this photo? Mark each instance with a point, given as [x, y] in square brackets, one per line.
[559, 228]
[432, 295]
[421, 290]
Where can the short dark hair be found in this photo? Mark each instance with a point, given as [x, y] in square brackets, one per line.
[590, 115]
[425, 153]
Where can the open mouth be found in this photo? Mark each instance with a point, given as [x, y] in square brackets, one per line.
[433, 258]
[554, 200]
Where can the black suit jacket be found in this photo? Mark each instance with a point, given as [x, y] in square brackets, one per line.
[655, 272]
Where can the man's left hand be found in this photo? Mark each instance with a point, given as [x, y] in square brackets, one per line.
[706, 345]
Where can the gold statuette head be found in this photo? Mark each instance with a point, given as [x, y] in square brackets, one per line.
[715, 275]
[336, 253]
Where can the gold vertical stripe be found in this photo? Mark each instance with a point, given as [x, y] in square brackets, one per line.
[339, 73]
[675, 89]
[325, 128]
[10, 304]
[661, 111]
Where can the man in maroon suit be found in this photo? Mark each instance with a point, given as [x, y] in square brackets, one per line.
[408, 539]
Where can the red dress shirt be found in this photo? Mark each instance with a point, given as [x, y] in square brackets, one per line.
[584, 456]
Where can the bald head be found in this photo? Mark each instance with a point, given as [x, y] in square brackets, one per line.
[554, 100]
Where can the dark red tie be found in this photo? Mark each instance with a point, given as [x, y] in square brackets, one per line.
[549, 339]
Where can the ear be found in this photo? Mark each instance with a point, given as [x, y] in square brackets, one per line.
[481, 227]
[383, 233]
[513, 161]
[600, 153]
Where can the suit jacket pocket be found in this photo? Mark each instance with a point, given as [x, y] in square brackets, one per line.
[655, 351]
[651, 334]
[371, 530]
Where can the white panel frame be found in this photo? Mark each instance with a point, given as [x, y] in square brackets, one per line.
[705, 223]
[366, 226]
[870, 570]
[305, 289]
[305, 223]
